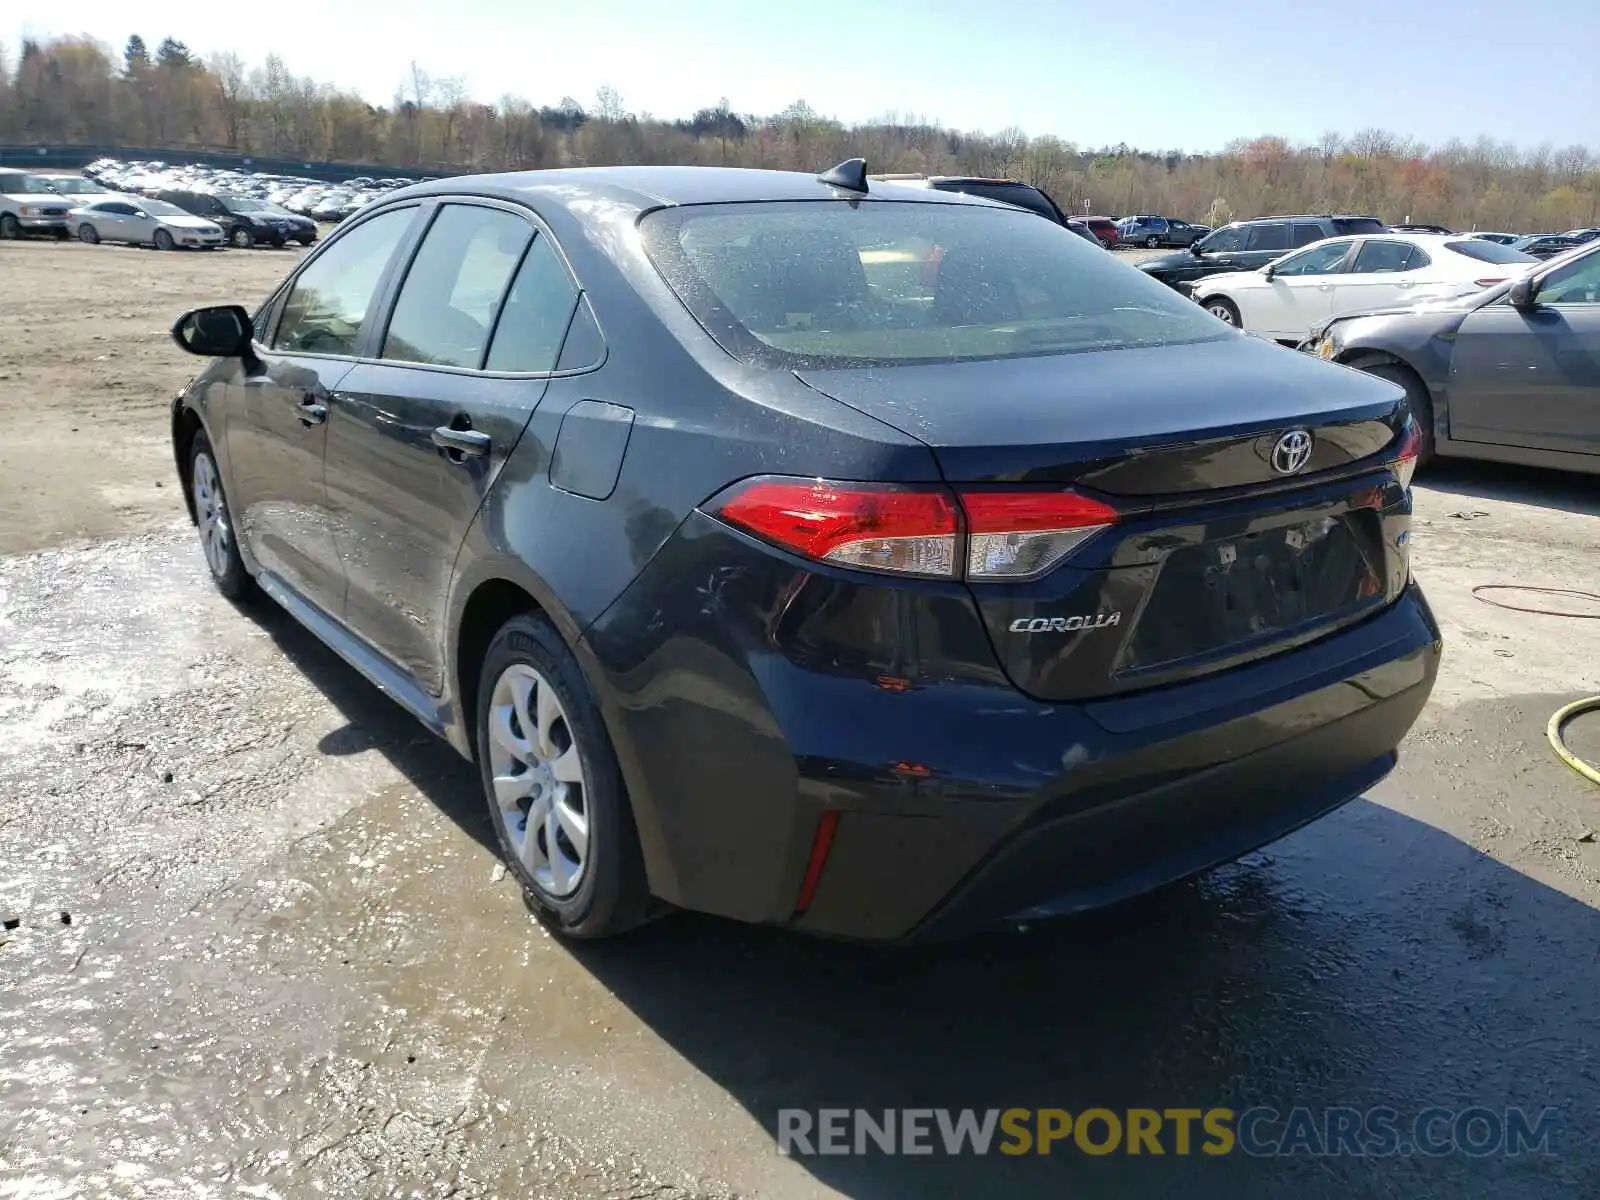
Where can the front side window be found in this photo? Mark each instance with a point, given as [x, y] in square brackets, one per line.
[1270, 235]
[1382, 258]
[1319, 260]
[1575, 283]
[1223, 241]
[453, 289]
[537, 311]
[328, 301]
[831, 283]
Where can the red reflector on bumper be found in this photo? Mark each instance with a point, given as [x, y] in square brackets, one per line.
[821, 843]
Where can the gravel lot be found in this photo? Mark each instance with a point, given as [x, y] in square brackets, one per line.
[291, 965]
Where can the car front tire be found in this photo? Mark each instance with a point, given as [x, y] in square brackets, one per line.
[87, 234]
[241, 238]
[555, 792]
[10, 227]
[1152, 241]
[214, 520]
[1224, 310]
[1417, 400]
[163, 240]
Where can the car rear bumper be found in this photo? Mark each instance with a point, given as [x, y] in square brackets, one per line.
[961, 804]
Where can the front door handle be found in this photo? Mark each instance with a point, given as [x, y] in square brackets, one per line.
[461, 443]
[312, 411]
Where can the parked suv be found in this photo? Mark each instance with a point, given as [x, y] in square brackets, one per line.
[1247, 245]
[764, 573]
[1153, 231]
[30, 205]
[245, 221]
[1008, 191]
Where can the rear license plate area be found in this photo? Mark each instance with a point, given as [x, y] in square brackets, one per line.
[1226, 593]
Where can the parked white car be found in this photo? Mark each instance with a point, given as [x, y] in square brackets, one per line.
[143, 222]
[1284, 299]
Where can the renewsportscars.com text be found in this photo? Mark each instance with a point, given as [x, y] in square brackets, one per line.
[1257, 1132]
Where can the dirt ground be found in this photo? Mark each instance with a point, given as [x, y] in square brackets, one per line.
[290, 965]
[87, 368]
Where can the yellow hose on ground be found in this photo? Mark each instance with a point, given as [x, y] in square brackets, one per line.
[1562, 715]
[1553, 732]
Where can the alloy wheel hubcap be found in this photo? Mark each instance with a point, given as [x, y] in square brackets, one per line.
[1221, 312]
[538, 780]
[216, 535]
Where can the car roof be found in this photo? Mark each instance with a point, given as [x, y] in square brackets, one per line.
[657, 186]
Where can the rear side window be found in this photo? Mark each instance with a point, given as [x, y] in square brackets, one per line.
[1489, 252]
[1381, 257]
[536, 313]
[1359, 225]
[453, 289]
[328, 301]
[1306, 232]
[834, 283]
[1270, 235]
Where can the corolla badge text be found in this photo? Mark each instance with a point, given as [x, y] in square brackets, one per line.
[1065, 624]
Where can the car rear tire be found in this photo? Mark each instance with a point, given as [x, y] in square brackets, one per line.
[1417, 400]
[1224, 310]
[87, 234]
[306, 241]
[241, 238]
[163, 240]
[1152, 241]
[214, 520]
[10, 227]
[555, 792]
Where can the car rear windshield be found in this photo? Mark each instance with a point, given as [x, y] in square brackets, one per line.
[1489, 252]
[836, 283]
[1359, 225]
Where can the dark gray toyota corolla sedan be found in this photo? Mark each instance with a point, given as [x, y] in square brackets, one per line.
[872, 560]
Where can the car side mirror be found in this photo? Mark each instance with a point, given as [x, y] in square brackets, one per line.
[139, 212]
[1196, 249]
[219, 331]
[1522, 294]
[1268, 272]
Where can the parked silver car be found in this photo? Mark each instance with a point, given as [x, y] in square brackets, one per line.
[143, 222]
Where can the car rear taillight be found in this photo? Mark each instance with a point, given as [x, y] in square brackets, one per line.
[1020, 535]
[1408, 448]
[879, 527]
[917, 530]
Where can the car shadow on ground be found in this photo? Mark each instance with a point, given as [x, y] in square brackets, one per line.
[374, 722]
[1369, 960]
[1562, 491]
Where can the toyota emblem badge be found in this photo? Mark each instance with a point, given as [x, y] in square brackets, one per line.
[1292, 451]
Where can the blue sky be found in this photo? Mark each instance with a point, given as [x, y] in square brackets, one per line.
[1159, 74]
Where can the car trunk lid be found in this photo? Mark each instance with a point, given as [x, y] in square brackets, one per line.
[1225, 550]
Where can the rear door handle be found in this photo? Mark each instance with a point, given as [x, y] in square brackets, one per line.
[312, 411]
[468, 443]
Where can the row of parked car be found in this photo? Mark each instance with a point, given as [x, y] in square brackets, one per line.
[178, 206]
[320, 201]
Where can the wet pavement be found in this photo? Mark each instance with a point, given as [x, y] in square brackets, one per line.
[291, 966]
